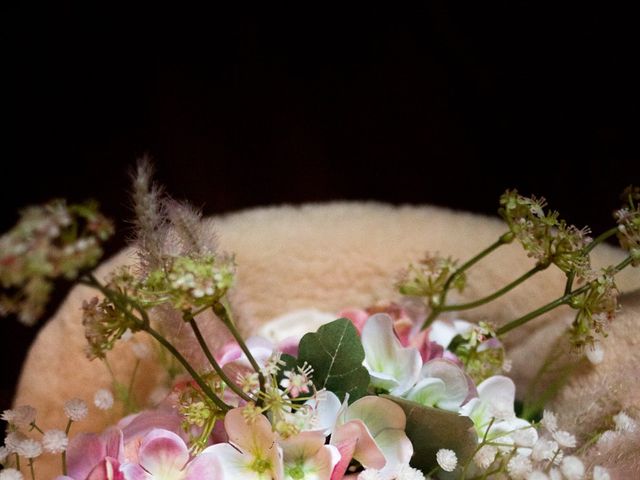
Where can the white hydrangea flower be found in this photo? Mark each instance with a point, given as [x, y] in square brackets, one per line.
[103, 399]
[519, 467]
[10, 474]
[21, 416]
[572, 468]
[624, 423]
[55, 441]
[564, 439]
[447, 459]
[76, 409]
[29, 448]
[600, 473]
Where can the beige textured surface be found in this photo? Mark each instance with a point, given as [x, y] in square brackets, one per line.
[328, 257]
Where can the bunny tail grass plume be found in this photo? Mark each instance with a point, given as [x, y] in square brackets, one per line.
[189, 231]
[150, 215]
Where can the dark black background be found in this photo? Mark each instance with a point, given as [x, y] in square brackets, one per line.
[436, 103]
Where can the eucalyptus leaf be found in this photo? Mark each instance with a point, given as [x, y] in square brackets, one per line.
[431, 429]
[336, 355]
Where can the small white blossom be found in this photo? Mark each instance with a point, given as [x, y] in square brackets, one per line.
[103, 399]
[607, 438]
[140, 350]
[549, 420]
[624, 423]
[545, 450]
[447, 459]
[76, 409]
[4, 453]
[485, 456]
[537, 475]
[370, 474]
[519, 467]
[600, 473]
[554, 474]
[55, 441]
[594, 353]
[564, 439]
[572, 468]
[13, 439]
[10, 474]
[29, 448]
[21, 416]
[405, 472]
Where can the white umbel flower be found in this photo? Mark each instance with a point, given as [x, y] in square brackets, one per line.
[55, 441]
[447, 459]
[29, 448]
[10, 474]
[600, 473]
[103, 399]
[76, 409]
[624, 423]
[572, 468]
[519, 467]
[21, 416]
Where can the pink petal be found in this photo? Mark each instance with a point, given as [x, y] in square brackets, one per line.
[85, 451]
[204, 466]
[345, 449]
[162, 453]
[108, 469]
[357, 316]
[366, 451]
[133, 471]
[249, 436]
[302, 445]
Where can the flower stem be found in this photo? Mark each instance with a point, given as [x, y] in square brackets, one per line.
[64, 453]
[33, 473]
[585, 251]
[121, 302]
[497, 293]
[557, 302]
[437, 309]
[183, 361]
[222, 312]
[216, 366]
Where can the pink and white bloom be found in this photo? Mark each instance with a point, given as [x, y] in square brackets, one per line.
[306, 456]
[441, 384]
[493, 414]
[252, 453]
[391, 366]
[96, 457]
[163, 455]
[371, 430]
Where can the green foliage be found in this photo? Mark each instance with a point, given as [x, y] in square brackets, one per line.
[336, 355]
[431, 429]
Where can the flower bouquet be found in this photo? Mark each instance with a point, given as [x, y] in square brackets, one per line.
[404, 385]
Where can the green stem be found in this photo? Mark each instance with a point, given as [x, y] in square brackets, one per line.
[437, 309]
[216, 366]
[222, 312]
[496, 294]
[557, 302]
[178, 356]
[144, 324]
[64, 454]
[599, 239]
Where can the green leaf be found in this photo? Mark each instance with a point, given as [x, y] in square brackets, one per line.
[336, 355]
[431, 429]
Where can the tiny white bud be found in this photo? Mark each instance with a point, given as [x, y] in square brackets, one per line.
[10, 474]
[29, 448]
[55, 441]
[572, 468]
[76, 409]
[594, 353]
[447, 459]
[600, 473]
[103, 399]
[21, 416]
[624, 423]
